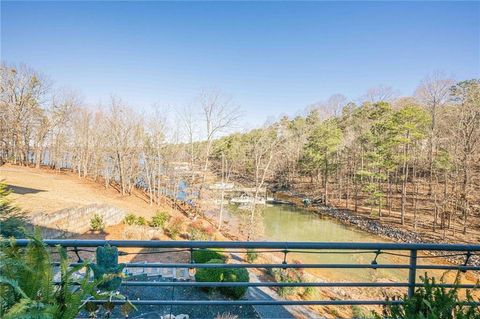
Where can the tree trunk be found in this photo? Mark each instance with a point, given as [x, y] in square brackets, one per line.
[404, 185]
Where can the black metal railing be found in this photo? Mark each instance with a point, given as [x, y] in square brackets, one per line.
[411, 252]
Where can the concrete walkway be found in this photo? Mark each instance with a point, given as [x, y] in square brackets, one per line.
[266, 293]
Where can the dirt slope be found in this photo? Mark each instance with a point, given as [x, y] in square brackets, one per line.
[44, 190]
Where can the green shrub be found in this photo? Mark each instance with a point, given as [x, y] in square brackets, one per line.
[309, 292]
[159, 220]
[130, 219]
[224, 275]
[252, 255]
[141, 221]
[433, 302]
[173, 232]
[359, 313]
[11, 218]
[210, 274]
[202, 256]
[288, 275]
[96, 223]
[235, 275]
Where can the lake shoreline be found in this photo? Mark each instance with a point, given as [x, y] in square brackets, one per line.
[375, 227]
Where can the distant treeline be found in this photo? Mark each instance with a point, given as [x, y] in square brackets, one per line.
[416, 156]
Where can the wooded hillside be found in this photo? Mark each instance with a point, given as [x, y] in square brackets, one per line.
[418, 154]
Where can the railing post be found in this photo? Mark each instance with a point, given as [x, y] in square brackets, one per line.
[412, 272]
[75, 249]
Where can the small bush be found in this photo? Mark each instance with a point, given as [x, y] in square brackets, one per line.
[235, 275]
[431, 301]
[210, 274]
[141, 221]
[288, 275]
[97, 223]
[130, 219]
[175, 227]
[203, 256]
[199, 232]
[252, 255]
[358, 313]
[309, 292]
[269, 260]
[159, 220]
[224, 275]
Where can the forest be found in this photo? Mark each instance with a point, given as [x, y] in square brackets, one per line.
[414, 159]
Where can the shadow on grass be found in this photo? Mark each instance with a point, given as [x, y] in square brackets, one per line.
[24, 190]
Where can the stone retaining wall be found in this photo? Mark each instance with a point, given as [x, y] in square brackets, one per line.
[73, 221]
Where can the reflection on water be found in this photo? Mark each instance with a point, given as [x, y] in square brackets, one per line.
[289, 223]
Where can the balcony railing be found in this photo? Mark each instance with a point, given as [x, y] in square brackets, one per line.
[411, 252]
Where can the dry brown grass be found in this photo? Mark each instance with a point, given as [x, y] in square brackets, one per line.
[136, 232]
[46, 190]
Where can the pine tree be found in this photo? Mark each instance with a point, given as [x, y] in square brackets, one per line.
[11, 220]
[320, 148]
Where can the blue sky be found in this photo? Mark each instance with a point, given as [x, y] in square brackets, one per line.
[271, 57]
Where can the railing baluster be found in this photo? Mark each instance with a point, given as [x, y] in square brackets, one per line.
[412, 272]
[75, 249]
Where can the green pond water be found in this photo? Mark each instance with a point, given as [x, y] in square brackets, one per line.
[290, 223]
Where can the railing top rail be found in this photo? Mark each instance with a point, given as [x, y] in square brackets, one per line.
[258, 245]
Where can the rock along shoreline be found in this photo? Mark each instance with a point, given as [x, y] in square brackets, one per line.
[389, 232]
[375, 227]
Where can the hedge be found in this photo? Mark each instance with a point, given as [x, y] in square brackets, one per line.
[203, 256]
[224, 275]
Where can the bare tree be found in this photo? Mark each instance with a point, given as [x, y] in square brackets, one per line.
[433, 92]
[153, 157]
[23, 93]
[64, 104]
[219, 114]
[189, 124]
[263, 146]
[466, 96]
[126, 130]
[380, 93]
